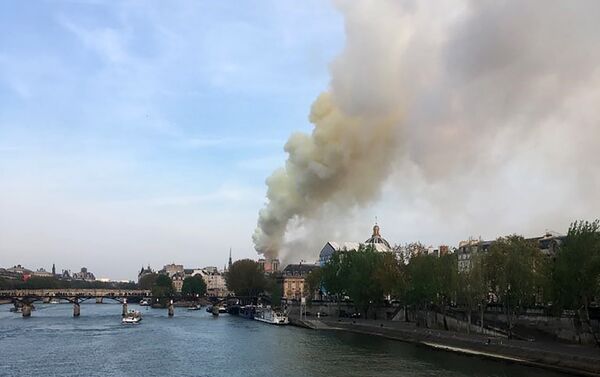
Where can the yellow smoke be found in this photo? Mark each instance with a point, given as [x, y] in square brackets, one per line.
[344, 161]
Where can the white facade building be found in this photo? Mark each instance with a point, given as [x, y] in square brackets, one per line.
[215, 282]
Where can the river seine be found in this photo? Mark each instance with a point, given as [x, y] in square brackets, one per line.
[194, 343]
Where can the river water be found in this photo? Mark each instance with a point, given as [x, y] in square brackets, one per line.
[194, 343]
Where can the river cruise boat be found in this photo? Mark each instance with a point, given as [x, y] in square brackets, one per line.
[133, 317]
[195, 307]
[271, 316]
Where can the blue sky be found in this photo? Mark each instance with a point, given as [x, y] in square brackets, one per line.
[143, 132]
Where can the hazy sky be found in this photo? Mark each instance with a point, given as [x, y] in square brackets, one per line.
[142, 132]
[138, 132]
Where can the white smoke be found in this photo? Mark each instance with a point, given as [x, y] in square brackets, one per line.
[455, 93]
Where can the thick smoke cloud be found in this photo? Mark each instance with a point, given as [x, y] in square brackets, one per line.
[343, 161]
[451, 94]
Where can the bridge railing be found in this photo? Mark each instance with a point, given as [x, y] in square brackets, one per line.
[73, 292]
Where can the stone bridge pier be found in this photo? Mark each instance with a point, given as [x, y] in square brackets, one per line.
[171, 309]
[27, 308]
[76, 308]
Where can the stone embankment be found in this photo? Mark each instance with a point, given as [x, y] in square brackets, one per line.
[573, 359]
[313, 324]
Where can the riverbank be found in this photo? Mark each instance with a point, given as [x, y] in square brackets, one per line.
[573, 359]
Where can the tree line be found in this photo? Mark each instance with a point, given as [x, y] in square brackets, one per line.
[513, 274]
[161, 285]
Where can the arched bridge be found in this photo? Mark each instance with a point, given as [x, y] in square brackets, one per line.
[74, 292]
[23, 299]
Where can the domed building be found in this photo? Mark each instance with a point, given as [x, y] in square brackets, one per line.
[376, 239]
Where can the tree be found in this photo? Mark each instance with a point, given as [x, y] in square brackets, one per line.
[314, 281]
[576, 275]
[362, 284]
[512, 267]
[364, 275]
[246, 278]
[413, 249]
[333, 274]
[163, 288]
[38, 282]
[422, 288]
[193, 286]
[391, 275]
[473, 289]
[274, 287]
[147, 281]
[446, 282]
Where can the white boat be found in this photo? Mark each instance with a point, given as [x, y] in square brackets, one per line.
[54, 301]
[145, 302]
[222, 309]
[269, 315]
[132, 317]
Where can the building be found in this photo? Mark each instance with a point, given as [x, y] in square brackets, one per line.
[177, 280]
[549, 243]
[269, 265]
[211, 269]
[379, 242]
[172, 269]
[84, 275]
[215, 281]
[9, 275]
[42, 273]
[294, 281]
[18, 269]
[376, 241]
[443, 250]
[468, 249]
[230, 262]
[331, 247]
[144, 272]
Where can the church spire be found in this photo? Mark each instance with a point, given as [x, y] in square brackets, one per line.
[230, 262]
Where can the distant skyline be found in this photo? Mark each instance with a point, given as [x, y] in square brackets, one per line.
[136, 133]
[142, 132]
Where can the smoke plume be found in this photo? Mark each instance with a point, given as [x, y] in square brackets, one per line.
[467, 97]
